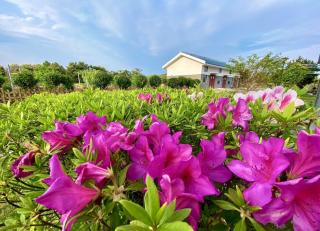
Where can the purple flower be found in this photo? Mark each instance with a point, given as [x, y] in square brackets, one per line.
[261, 164]
[63, 137]
[145, 97]
[174, 190]
[63, 195]
[194, 181]
[101, 150]
[116, 135]
[241, 115]
[159, 97]
[212, 158]
[24, 160]
[170, 152]
[90, 124]
[89, 171]
[299, 200]
[215, 112]
[317, 131]
[305, 163]
[251, 137]
[141, 156]
[133, 135]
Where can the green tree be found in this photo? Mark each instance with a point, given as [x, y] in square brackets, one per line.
[2, 71]
[75, 68]
[138, 79]
[2, 80]
[102, 79]
[123, 79]
[24, 79]
[154, 80]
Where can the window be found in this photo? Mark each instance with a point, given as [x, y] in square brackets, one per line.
[228, 82]
[218, 82]
[205, 68]
[220, 70]
[203, 78]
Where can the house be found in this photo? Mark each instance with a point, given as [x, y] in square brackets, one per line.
[210, 72]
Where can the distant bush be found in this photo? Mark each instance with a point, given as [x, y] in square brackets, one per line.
[122, 80]
[102, 79]
[154, 80]
[164, 79]
[2, 80]
[67, 82]
[139, 80]
[181, 82]
[24, 79]
[51, 79]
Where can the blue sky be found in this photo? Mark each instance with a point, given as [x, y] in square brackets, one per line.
[145, 34]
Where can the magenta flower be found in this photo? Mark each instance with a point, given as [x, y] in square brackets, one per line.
[174, 190]
[212, 158]
[261, 164]
[305, 163]
[299, 200]
[145, 97]
[63, 137]
[195, 182]
[63, 195]
[317, 131]
[289, 97]
[215, 112]
[24, 160]
[159, 97]
[133, 135]
[141, 156]
[101, 150]
[241, 115]
[116, 135]
[170, 153]
[251, 137]
[90, 124]
[89, 171]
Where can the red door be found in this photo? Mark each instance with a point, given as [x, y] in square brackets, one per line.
[211, 80]
[224, 81]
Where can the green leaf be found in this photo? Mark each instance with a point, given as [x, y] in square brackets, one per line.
[241, 225]
[226, 205]
[131, 228]
[136, 211]
[289, 110]
[160, 213]
[234, 197]
[179, 215]
[168, 212]
[123, 175]
[151, 199]
[78, 154]
[256, 225]
[175, 226]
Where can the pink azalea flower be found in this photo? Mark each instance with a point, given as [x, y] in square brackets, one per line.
[24, 160]
[215, 112]
[159, 97]
[145, 97]
[241, 115]
[252, 137]
[289, 97]
[299, 200]
[133, 135]
[116, 135]
[141, 156]
[212, 158]
[195, 182]
[174, 190]
[305, 163]
[90, 124]
[317, 131]
[89, 171]
[261, 164]
[63, 195]
[63, 137]
[101, 150]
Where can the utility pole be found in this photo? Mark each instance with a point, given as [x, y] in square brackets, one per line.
[9, 73]
[78, 78]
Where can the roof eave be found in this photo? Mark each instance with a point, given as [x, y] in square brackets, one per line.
[183, 54]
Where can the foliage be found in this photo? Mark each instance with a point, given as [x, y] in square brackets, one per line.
[271, 70]
[139, 80]
[102, 79]
[154, 80]
[52, 79]
[123, 80]
[2, 80]
[2, 71]
[22, 125]
[24, 79]
[74, 69]
[40, 70]
[182, 82]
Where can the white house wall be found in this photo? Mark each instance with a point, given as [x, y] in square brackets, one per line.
[184, 67]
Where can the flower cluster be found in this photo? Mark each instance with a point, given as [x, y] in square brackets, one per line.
[148, 97]
[219, 110]
[269, 167]
[276, 98]
[182, 176]
[195, 96]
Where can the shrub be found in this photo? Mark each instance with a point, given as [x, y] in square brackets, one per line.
[52, 79]
[164, 79]
[24, 79]
[154, 80]
[123, 80]
[67, 82]
[181, 82]
[102, 79]
[139, 80]
[2, 80]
